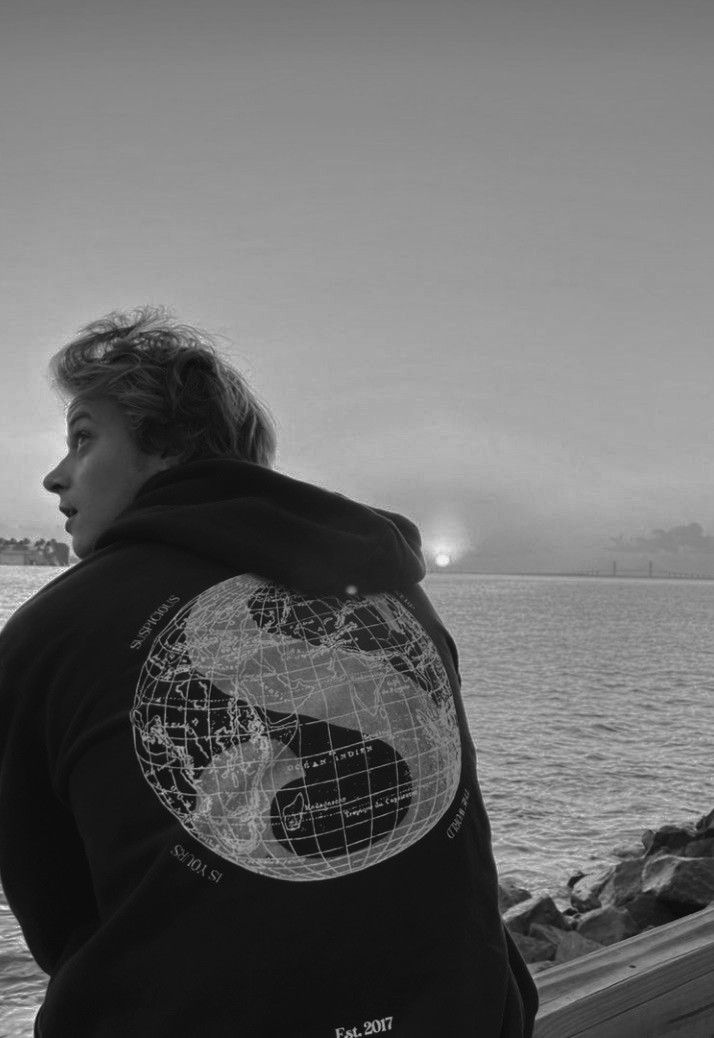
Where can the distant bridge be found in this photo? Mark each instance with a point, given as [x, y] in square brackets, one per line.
[650, 570]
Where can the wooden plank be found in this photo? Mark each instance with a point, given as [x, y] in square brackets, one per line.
[659, 983]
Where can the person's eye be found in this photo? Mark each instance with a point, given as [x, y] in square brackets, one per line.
[78, 436]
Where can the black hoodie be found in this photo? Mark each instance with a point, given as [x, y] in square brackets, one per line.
[238, 795]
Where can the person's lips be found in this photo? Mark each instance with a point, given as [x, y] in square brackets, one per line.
[70, 513]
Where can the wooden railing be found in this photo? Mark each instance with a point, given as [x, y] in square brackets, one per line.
[660, 983]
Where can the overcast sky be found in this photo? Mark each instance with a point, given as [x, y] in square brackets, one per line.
[463, 250]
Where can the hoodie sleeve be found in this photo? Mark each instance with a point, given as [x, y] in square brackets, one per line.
[43, 867]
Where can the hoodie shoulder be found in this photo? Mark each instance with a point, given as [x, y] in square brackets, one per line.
[254, 520]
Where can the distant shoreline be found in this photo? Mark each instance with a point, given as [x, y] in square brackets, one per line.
[40, 552]
[451, 571]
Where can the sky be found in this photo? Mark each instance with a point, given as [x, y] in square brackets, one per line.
[462, 250]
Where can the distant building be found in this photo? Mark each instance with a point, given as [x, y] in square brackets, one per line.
[41, 553]
[12, 557]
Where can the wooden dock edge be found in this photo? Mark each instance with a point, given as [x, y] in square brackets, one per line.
[659, 983]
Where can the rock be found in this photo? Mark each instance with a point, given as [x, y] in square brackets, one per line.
[705, 825]
[585, 893]
[541, 909]
[701, 848]
[575, 878]
[538, 967]
[647, 911]
[566, 910]
[549, 934]
[533, 949]
[573, 945]
[607, 925]
[686, 881]
[623, 884]
[630, 850]
[668, 837]
[510, 894]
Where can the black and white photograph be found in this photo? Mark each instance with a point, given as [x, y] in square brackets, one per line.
[357, 519]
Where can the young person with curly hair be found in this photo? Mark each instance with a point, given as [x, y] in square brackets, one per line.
[238, 794]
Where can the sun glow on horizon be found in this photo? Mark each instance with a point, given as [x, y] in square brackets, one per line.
[445, 538]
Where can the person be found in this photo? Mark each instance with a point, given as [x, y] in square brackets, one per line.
[238, 794]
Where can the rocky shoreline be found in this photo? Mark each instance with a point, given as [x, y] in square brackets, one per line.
[670, 875]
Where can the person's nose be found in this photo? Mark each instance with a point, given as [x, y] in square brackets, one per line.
[57, 480]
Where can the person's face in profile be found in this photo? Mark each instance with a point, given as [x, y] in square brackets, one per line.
[102, 471]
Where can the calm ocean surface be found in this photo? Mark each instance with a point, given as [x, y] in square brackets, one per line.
[591, 702]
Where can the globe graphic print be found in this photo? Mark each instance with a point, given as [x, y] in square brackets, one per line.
[303, 738]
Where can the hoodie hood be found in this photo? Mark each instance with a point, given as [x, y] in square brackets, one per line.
[259, 521]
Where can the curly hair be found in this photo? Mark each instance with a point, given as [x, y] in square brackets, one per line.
[177, 393]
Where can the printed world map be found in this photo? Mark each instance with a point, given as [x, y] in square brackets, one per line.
[301, 738]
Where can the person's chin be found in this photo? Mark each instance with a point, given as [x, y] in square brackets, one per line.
[82, 544]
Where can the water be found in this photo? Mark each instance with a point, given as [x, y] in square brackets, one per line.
[590, 702]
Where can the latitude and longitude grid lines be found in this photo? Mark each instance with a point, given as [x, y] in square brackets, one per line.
[440, 790]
